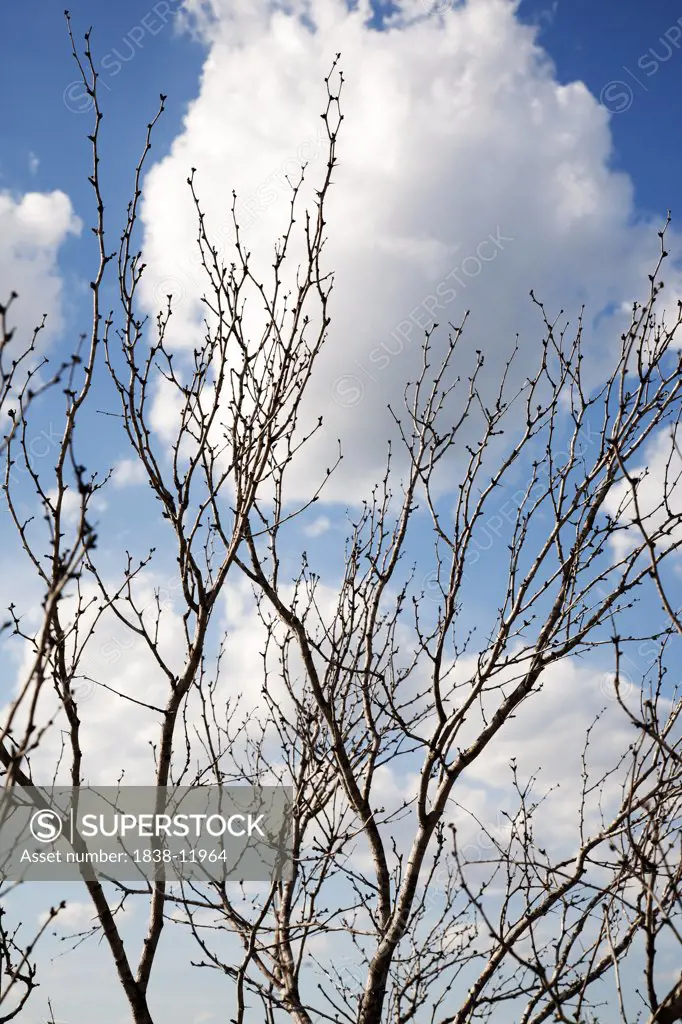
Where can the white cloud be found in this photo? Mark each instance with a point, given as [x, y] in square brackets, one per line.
[115, 732]
[455, 129]
[41, 220]
[72, 504]
[32, 228]
[317, 527]
[128, 473]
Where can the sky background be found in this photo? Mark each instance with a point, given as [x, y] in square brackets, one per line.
[552, 126]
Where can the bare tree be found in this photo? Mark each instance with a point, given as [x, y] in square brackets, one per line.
[389, 675]
[239, 412]
[559, 921]
[25, 377]
[22, 381]
[18, 972]
[21, 378]
[652, 849]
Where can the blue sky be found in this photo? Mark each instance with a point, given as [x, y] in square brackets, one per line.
[563, 143]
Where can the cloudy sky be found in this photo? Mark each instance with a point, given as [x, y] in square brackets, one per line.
[488, 147]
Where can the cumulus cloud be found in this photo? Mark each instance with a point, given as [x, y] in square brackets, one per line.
[119, 688]
[468, 174]
[318, 526]
[128, 473]
[32, 228]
